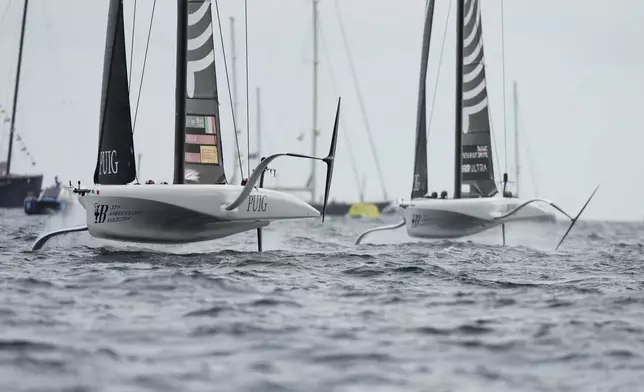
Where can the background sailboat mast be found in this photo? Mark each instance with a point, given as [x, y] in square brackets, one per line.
[517, 160]
[12, 127]
[180, 91]
[234, 179]
[315, 98]
[138, 164]
[459, 100]
[259, 124]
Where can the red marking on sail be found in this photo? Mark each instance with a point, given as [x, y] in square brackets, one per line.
[193, 157]
[201, 139]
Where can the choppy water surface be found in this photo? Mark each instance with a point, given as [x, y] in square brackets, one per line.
[316, 313]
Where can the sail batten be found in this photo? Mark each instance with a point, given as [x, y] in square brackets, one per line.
[116, 162]
[477, 170]
[203, 153]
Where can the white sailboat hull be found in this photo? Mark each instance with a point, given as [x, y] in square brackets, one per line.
[454, 218]
[174, 214]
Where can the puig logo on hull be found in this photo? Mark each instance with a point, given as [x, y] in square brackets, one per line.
[257, 203]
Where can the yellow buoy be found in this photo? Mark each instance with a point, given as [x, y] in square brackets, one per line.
[368, 210]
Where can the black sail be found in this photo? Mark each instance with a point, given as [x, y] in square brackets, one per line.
[203, 153]
[116, 162]
[477, 169]
[419, 184]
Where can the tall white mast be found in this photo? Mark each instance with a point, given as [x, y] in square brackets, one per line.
[517, 160]
[259, 123]
[314, 131]
[234, 179]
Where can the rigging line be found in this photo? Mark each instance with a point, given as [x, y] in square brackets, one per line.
[334, 85]
[4, 13]
[505, 128]
[230, 96]
[495, 152]
[247, 99]
[360, 100]
[129, 78]
[440, 61]
[145, 59]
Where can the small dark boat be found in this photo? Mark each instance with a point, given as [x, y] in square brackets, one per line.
[51, 200]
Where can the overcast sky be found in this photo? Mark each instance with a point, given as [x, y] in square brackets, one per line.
[577, 64]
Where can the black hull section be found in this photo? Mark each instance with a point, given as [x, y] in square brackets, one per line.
[39, 207]
[342, 209]
[14, 189]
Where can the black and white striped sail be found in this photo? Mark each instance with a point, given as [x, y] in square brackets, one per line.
[116, 163]
[419, 185]
[477, 169]
[203, 153]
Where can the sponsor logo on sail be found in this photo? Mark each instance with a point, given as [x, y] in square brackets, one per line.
[195, 122]
[210, 125]
[193, 157]
[201, 139]
[108, 163]
[474, 168]
[480, 152]
[209, 154]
